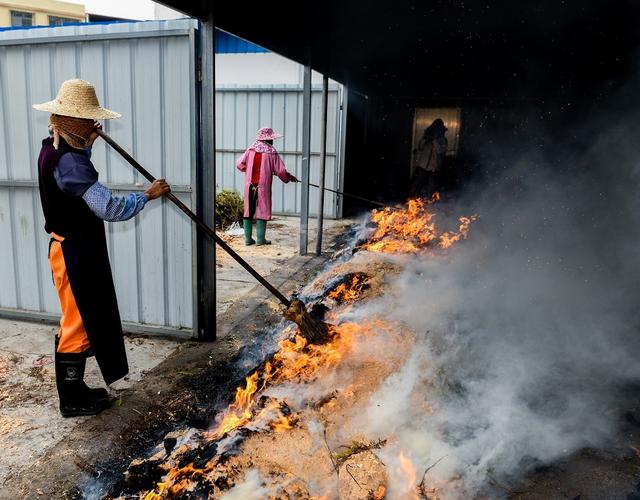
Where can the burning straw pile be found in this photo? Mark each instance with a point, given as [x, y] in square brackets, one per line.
[413, 229]
[294, 429]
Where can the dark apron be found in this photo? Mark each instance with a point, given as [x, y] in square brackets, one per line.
[87, 262]
[90, 277]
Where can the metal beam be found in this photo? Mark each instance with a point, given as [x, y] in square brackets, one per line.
[128, 327]
[342, 149]
[206, 185]
[24, 184]
[87, 37]
[280, 152]
[323, 161]
[306, 160]
[274, 88]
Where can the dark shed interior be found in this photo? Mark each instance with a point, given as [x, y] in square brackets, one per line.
[523, 74]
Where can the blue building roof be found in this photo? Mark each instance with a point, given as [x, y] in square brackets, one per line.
[226, 43]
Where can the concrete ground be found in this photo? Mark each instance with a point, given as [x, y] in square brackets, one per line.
[30, 424]
[284, 233]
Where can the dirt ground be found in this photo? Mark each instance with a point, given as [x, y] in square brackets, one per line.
[37, 442]
[29, 419]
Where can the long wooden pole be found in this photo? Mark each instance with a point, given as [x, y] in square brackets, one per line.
[198, 221]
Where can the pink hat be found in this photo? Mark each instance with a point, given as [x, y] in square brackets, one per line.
[266, 134]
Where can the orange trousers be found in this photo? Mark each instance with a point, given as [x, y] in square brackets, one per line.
[72, 335]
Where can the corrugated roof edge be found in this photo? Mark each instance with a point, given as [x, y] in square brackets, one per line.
[226, 43]
[22, 32]
[19, 28]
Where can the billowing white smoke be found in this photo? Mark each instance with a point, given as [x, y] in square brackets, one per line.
[527, 330]
[251, 489]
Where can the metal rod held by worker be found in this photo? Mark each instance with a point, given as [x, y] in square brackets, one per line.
[351, 196]
[198, 221]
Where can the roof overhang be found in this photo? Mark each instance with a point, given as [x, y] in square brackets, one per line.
[427, 49]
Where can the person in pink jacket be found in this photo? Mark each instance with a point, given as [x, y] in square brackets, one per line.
[260, 162]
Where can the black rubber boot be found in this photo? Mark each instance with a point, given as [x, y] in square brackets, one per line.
[99, 394]
[76, 399]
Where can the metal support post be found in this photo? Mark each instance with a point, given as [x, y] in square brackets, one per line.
[323, 161]
[343, 146]
[206, 185]
[306, 160]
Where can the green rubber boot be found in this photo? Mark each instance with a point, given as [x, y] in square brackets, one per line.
[248, 228]
[261, 229]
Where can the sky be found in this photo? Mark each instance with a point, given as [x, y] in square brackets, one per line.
[129, 9]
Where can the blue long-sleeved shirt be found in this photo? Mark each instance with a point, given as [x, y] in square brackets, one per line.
[76, 176]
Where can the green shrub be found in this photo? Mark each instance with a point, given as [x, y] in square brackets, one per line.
[229, 208]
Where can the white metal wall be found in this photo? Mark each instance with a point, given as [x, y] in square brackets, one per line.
[240, 112]
[146, 72]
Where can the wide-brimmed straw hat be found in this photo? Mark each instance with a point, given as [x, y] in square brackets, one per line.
[77, 98]
[267, 134]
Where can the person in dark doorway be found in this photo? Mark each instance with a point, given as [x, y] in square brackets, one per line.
[429, 158]
[260, 162]
[75, 205]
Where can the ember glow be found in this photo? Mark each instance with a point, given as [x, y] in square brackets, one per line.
[412, 229]
[178, 481]
[350, 289]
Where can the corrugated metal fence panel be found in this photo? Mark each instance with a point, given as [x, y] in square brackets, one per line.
[240, 112]
[145, 71]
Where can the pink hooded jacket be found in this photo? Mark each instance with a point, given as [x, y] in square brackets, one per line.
[271, 165]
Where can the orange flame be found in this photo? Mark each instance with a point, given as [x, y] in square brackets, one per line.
[411, 229]
[448, 239]
[239, 412]
[283, 424]
[295, 360]
[407, 469]
[177, 481]
[349, 291]
[157, 493]
[380, 493]
[402, 231]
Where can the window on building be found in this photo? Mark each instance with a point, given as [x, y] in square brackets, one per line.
[19, 18]
[450, 116]
[57, 21]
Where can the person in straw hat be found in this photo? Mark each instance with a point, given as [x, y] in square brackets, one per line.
[260, 162]
[75, 205]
